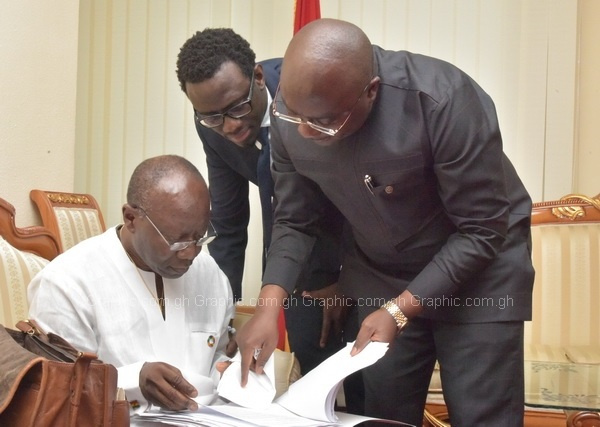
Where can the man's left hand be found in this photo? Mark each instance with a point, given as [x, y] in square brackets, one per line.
[335, 307]
[377, 326]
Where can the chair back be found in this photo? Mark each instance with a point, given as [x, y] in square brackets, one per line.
[72, 217]
[35, 239]
[566, 292]
[23, 253]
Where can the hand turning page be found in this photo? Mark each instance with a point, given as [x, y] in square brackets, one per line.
[259, 391]
[309, 402]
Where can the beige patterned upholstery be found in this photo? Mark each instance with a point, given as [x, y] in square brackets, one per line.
[76, 225]
[23, 252]
[71, 217]
[17, 268]
[566, 295]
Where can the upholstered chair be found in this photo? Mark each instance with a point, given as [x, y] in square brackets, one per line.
[23, 252]
[72, 217]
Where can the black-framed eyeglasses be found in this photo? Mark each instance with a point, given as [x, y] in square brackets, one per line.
[237, 111]
[312, 124]
[210, 235]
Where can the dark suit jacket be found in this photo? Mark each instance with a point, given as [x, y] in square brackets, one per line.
[230, 169]
[447, 216]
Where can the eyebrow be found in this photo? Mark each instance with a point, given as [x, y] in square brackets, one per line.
[312, 119]
[240, 100]
[231, 105]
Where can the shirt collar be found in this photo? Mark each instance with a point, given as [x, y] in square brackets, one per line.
[266, 121]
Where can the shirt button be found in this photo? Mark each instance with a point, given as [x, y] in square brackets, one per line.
[389, 189]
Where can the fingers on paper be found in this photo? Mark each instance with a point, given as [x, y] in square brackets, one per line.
[363, 338]
[247, 362]
[178, 392]
[164, 385]
[175, 400]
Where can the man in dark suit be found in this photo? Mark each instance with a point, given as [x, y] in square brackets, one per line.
[408, 148]
[231, 95]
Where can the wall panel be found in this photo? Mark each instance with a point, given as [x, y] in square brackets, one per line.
[588, 107]
[560, 101]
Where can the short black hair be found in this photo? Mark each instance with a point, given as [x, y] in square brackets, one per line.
[202, 55]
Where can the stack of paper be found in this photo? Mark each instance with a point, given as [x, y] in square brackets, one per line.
[313, 396]
[309, 402]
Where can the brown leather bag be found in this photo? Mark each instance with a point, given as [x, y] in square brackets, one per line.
[44, 381]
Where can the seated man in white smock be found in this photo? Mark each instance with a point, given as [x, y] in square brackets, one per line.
[142, 295]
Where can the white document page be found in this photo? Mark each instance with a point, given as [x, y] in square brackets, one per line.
[313, 395]
[259, 391]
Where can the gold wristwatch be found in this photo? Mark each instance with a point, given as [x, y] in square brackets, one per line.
[399, 317]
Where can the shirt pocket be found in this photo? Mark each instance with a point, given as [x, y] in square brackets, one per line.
[207, 332]
[402, 198]
[396, 195]
[203, 346]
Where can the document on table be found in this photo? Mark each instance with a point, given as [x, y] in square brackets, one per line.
[308, 402]
[231, 415]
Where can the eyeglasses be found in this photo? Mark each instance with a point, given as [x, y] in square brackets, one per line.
[312, 124]
[237, 111]
[179, 246]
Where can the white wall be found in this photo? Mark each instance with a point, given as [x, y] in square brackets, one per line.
[38, 74]
[587, 118]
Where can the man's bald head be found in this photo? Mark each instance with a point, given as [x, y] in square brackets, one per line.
[327, 51]
[168, 176]
[327, 79]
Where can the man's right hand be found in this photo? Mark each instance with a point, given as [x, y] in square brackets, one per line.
[163, 385]
[257, 339]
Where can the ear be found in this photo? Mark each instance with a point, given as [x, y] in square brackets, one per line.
[129, 216]
[373, 88]
[259, 76]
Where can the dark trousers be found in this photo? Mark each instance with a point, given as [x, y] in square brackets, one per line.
[304, 318]
[481, 372]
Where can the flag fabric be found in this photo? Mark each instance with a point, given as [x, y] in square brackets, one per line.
[304, 12]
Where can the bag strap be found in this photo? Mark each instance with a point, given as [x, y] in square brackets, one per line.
[80, 371]
[31, 327]
[48, 345]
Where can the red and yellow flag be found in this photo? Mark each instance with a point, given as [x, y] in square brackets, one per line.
[304, 12]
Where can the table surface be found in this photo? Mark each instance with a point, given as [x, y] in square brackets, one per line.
[560, 385]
